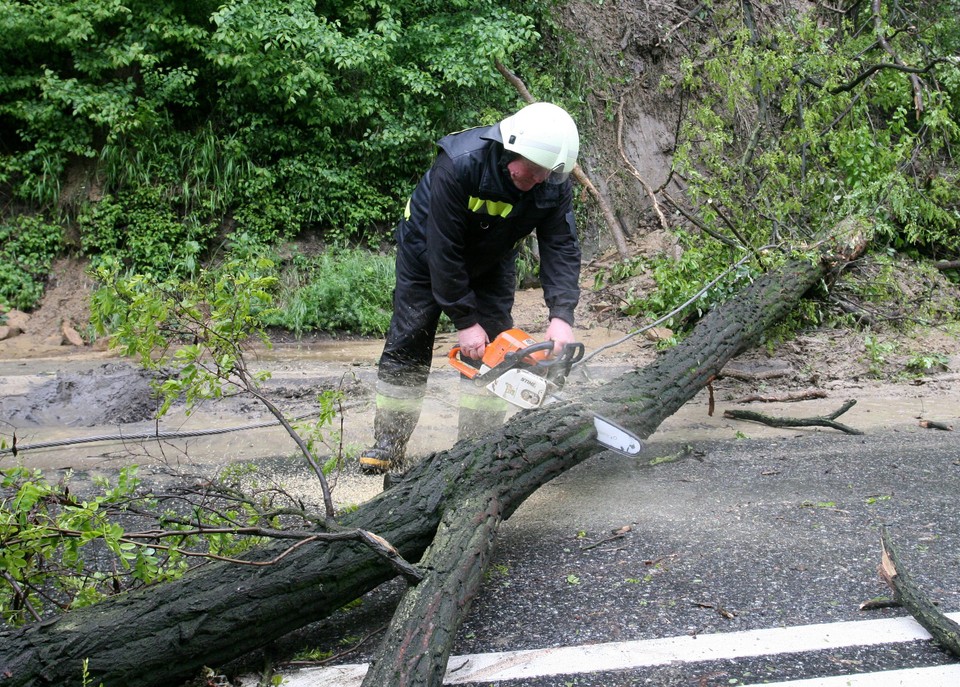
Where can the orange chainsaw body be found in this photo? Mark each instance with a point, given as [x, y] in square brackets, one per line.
[496, 352]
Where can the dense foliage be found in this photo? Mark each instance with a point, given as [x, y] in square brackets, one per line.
[162, 127]
[793, 123]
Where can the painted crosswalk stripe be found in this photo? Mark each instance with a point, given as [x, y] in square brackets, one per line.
[592, 658]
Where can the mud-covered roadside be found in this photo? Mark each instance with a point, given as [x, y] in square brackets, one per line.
[54, 392]
[58, 404]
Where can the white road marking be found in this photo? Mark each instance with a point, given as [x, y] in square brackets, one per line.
[938, 676]
[591, 658]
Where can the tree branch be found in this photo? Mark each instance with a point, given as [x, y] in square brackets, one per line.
[823, 421]
[943, 630]
[915, 82]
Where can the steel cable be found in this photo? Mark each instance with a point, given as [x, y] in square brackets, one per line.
[158, 436]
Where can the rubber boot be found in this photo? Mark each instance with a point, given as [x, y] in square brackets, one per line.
[391, 432]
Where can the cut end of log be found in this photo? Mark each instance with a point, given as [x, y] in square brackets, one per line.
[932, 424]
[887, 568]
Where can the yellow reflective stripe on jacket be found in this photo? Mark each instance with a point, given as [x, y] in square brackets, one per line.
[489, 207]
[494, 208]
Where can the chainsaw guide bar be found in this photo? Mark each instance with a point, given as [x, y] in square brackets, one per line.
[617, 438]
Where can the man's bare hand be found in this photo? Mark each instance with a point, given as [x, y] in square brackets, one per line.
[560, 333]
[473, 341]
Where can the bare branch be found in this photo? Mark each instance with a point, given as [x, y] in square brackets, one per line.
[944, 631]
[823, 421]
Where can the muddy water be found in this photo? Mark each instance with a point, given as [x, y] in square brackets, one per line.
[95, 395]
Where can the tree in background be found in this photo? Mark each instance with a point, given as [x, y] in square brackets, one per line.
[793, 121]
[161, 127]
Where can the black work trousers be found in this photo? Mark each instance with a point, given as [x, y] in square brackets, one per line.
[408, 350]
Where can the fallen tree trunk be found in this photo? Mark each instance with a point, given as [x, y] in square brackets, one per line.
[219, 612]
[416, 648]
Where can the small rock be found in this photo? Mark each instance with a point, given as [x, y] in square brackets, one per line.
[71, 335]
[658, 334]
[8, 332]
[17, 318]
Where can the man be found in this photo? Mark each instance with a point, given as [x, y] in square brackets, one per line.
[457, 244]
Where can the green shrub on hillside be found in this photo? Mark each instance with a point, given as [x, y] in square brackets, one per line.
[28, 246]
[141, 231]
[342, 290]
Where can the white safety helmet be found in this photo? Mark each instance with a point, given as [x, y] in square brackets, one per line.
[546, 135]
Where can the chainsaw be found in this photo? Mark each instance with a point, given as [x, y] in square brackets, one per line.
[527, 374]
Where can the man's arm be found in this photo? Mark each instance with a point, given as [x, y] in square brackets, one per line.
[560, 268]
[446, 245]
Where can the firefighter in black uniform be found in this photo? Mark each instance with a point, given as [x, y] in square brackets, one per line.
[457, 244]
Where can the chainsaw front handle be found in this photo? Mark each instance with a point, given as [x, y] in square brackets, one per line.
[570, 354]
[554, 368]
[526, 355]
[464, 369]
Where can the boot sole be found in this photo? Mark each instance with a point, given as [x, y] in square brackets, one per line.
[374, 466]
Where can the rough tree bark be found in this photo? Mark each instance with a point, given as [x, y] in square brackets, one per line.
[454, 499]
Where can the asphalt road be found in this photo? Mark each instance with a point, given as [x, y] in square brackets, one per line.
[727, 562]
[707, 561]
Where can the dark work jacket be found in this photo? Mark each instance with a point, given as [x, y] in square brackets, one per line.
[465, 219]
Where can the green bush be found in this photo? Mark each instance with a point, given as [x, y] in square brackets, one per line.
[141, 230]
[343, 290]
[28, 245]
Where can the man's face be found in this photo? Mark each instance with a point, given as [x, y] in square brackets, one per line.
[525, 174]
